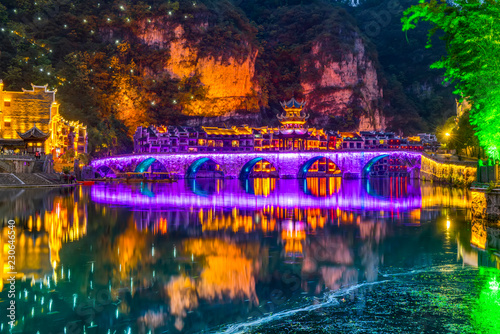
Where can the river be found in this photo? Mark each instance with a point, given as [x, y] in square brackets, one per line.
[254, 256]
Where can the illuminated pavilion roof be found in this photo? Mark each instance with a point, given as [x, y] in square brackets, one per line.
[292, 104]
[294, 119]
[245, 130]
[34, 134]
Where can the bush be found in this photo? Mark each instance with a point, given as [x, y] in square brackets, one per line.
[67, 169]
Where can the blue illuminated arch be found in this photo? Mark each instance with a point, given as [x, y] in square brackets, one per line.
[195, 166]
[305, 167]
[146, 190]
[369, 165]
[144, 165]
[247, 168]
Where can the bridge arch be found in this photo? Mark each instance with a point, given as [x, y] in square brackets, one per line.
[105, 171]
[388, 165]
[154, 164]
[330, 168]
[204, 164]
[248, 168]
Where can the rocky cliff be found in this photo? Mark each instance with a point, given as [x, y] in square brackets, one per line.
[227, 75]
[344, 86]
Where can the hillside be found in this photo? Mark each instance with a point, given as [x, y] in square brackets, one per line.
[119, 64]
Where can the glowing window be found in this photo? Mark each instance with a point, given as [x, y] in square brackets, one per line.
[235, 143]
[6, 122]
[6, 103]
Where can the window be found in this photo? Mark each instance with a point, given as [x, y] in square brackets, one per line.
[235, 143]
[6, 103]
[6, 122]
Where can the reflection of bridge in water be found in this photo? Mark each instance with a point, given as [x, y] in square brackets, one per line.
[350, 195]
[399, 194]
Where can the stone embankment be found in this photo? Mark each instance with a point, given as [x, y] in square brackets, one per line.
[29, 179]
[459, 173]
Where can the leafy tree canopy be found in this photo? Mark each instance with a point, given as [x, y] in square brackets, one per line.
[472, 36]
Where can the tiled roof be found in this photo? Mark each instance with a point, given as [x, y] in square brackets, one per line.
[33, 133]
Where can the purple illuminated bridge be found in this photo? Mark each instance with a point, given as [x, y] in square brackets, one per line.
[239, 164]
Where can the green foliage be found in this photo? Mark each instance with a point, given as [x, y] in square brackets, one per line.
[107, 77]
[68, 156]
[472, 35]
[67, 169]
[109, 137]
[463, 138]
[83, 158]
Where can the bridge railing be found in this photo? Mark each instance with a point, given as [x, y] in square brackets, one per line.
[263, 152]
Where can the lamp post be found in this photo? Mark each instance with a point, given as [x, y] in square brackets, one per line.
[447, 134]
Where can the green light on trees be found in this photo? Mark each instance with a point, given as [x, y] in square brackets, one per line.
[472, 35]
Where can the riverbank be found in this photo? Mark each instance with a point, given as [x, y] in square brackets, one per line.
[30, 180]
[456, 173]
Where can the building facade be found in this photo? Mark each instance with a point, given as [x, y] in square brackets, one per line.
[35, 113]
[292, 135]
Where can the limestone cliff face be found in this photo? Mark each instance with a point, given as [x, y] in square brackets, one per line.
[347, 86]
[228, 77]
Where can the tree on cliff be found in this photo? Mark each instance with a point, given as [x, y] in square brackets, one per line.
[472, 35]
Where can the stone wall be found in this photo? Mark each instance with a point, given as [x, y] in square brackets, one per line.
[485, 206]
[461, 173]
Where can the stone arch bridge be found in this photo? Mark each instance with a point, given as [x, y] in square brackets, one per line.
[238, 164]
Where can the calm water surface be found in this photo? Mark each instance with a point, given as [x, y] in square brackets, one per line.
[261, 256]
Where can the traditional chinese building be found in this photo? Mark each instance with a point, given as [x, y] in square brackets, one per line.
[292, 135]
[30, 121]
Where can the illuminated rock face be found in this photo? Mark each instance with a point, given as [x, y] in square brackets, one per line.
[229, 80]
[342, 85]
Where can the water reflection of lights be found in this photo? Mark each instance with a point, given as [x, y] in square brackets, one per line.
[481, 248]
[293, 235]
[352, 197]
[40, 236]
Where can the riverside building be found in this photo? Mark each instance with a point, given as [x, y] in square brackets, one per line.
[30, 122]
[292, 135]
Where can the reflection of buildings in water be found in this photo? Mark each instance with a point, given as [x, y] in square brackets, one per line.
[46, 221]
[293, 237]
[483, 249]
[259, 186]
[154, 221]
[439, 197]
[395, 187]
[322, 186]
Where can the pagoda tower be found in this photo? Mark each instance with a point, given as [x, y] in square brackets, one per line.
[293, 130]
